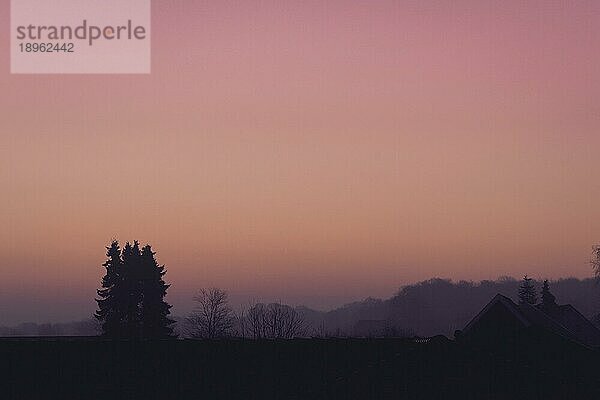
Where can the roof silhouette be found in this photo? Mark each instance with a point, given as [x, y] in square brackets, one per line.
[562, 320]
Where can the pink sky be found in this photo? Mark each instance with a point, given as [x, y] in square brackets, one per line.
[312, 152]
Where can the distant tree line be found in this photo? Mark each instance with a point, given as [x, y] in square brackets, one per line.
[88, 327]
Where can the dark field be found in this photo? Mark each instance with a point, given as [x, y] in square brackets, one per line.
[80, 368]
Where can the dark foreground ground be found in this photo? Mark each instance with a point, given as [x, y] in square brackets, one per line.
[79, 368]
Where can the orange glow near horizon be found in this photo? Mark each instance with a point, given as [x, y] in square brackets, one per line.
[308, 152]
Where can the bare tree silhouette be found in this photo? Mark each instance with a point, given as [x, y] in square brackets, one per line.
[595, 261]
[275, 321]
[241, 323]
[213, 317]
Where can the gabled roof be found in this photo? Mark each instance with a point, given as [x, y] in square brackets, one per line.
[507, 303]
[540, 319]
[554, 321]
[578, 325]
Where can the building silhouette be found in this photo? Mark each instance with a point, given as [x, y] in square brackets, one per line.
[503, 322]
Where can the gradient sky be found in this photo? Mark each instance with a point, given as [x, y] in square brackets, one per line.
[308, 151]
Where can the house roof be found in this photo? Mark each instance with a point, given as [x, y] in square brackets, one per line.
[545, 321]
[558, 320]
[579, 326]
[507, 303]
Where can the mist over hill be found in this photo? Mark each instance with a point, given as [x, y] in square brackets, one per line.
[88, 327]
[440, 306]
[427, 308]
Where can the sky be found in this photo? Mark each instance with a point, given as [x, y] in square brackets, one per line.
[308, 152]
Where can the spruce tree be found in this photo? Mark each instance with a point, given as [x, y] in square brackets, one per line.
[110, 303]
[155, 310]
[132, 282]
[527, 293]
[548, 299]
[131, 301]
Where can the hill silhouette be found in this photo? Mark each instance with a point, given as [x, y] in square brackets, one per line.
[427, 308]
[440, 306]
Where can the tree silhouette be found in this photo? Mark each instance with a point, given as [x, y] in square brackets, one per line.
[111, 297]
[548, 299]
[155, 310]
[212, 318]
[595, 262]
[527, 293]
[275, 321]
[132, 280]
[131, 301]
[255, 318]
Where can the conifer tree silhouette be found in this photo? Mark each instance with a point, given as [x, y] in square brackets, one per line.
[527, 293]
[131, 301]
[548, 299]
[131, 272]
[110, 303]
[155, 310]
